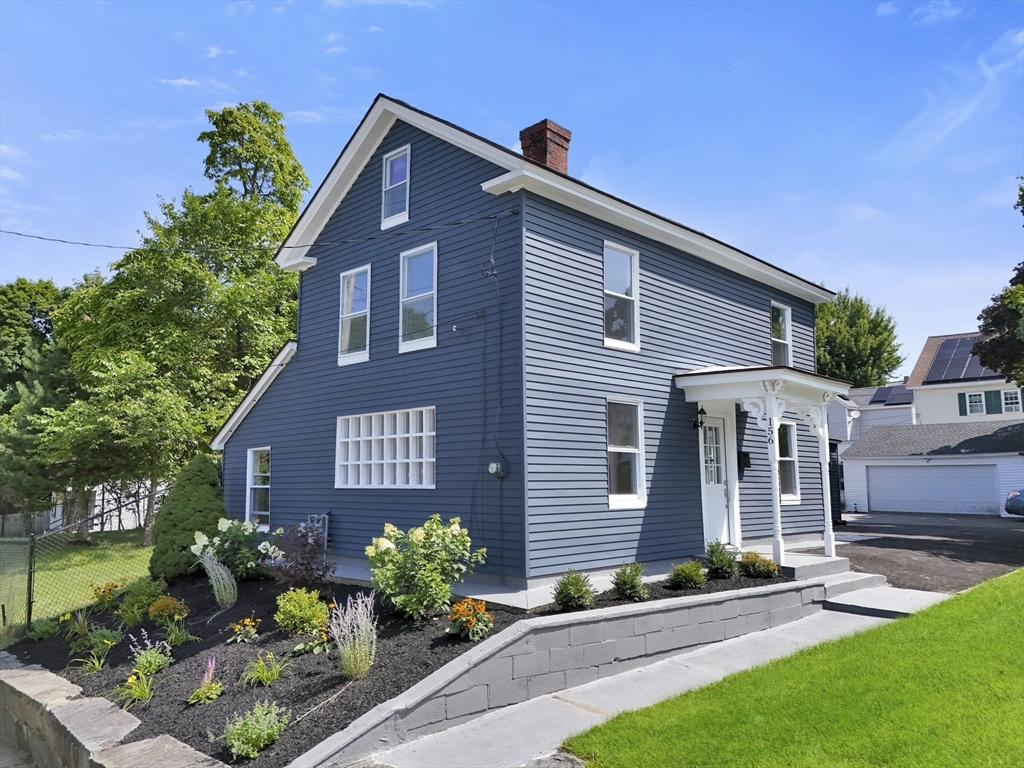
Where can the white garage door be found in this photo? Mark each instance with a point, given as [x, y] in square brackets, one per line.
[971, 489]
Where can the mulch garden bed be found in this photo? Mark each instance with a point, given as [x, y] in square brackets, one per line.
[407, 652]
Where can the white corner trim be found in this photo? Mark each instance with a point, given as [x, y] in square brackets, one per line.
[375, 126]
[287, 353]
[601, 206]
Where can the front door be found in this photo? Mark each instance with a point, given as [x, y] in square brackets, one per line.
[714, 483]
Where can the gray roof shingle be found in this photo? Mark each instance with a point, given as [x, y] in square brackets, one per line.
[939, 440]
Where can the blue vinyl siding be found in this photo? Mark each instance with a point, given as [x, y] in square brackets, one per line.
[692, 314]
[297, 416]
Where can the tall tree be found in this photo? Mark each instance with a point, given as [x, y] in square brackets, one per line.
[855, 341]
[25, 308]
[1002, 322]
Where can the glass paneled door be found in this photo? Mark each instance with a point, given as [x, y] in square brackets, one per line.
[714, 483]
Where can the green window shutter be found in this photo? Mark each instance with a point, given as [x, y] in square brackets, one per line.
[962, 400]
[993, 401]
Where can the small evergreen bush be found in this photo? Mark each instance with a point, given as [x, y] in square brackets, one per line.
[573, 591]
[628, 584]
[758, 567]
[301, 612]
[193, 504]
[721, 562]
[688, 575]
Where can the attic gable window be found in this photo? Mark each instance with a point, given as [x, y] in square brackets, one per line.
[781, 335]
[395, 204]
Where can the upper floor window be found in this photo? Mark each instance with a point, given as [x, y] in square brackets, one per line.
[394, 449]
[781, 335]
[626, 486]
[789, 478]
[621, 305]
[354, 325]
[417, 328]
[975, 403]
[257, 502]
[1011, 401]
[396, 188]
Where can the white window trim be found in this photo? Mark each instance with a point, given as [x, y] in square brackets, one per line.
[353, 357]
[1017, 405]
[635, 279]
[412, 346]
[398, 218]
[967, 401]
[789, 333]
[629, 500]
[249, 486]
[372, 485]
[791, 498]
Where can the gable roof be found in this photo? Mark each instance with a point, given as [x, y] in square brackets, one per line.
[522, 173]
[938, 440]
[280, 361]
[948, 359]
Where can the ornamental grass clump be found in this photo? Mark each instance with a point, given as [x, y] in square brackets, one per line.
[264, 669]
[354, 630]
[688, 575]
[415, 569]
[225, 589]
[138, 688]
[574, 592]
[721, 562]
[209, 689]
[757, 566]
[628, 583]
[249, 734]
[470, 620]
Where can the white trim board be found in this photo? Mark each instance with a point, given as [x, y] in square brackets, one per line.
[235, 419]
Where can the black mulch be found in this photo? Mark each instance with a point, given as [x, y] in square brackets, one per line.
[407, 652]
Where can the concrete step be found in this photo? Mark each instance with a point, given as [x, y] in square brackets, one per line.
[812, 566]
[842, 583]
[883, 602]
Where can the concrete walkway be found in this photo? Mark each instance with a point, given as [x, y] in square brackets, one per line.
[513, 736]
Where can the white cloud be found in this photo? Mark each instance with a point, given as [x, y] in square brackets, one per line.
[886, 9]
[305, 116]
[374, 29]
[863, 212]
[213, 52]
[181, 82]
[11, 175]
[934, 11]
[332, 37]
[336, 49]
[7, 152]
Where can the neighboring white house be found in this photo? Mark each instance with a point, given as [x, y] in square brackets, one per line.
[962, 451]
[851, 416]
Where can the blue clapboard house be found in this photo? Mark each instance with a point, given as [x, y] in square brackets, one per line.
[583, 382]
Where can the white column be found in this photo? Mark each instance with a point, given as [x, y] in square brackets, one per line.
[767, 411]
[816, 417]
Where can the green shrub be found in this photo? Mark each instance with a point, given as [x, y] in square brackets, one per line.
[149, 657]
[573, 591]
[137, 598]
[415, 569]
[263, 669]
[43, 628]
[193, 504]
[258, 728]
[721, 562]
[167, 610]
[628, 584]
[301, 612]
[99, 639]
[688, 575]
[758, 567]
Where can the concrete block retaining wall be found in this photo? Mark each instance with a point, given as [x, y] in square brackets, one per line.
[546, 654]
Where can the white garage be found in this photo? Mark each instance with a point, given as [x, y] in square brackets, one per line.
[965, 469]
[971, 489]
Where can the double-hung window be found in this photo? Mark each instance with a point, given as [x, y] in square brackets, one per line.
[781, 335]
[395, 203]
[257, 502]
[394, 449]
[354, 324]
[975, 403]
[626, 473]
[1011, 401]
[789, 477]
[621, 305]
[417, 327]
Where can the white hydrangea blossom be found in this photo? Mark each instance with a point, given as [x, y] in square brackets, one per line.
[223, 524]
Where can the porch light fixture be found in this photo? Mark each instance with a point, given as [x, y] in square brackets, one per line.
[698, 423]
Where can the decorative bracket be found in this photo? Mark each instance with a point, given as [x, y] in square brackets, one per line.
[815, 417]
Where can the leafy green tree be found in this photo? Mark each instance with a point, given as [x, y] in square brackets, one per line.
[1002, 322]
[855, 341]
[25, 308]
[193, 504]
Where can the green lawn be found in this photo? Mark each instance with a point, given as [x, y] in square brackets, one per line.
[944, 687]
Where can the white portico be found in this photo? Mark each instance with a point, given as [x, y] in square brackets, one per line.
[766, 393]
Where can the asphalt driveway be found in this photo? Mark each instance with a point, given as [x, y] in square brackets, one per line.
[933, 552]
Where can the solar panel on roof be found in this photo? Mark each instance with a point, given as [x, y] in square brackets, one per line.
[953, 361]
[880, 395]
[900, 396]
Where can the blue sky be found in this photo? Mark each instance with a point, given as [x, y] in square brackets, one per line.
[873, 145]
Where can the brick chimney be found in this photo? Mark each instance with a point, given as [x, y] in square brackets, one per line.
[547, 143]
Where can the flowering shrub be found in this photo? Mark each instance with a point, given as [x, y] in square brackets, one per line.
[150, 657]
[301, 611]
[258, 728]
[415, 569]
[302, 559]
[235, 546]
[470, 619]
[244, 631]
[354, 629]
[757, 566]
[209, 689]
[167, 610]
[105, 595]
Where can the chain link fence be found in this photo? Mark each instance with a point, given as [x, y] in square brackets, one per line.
[46, 576]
